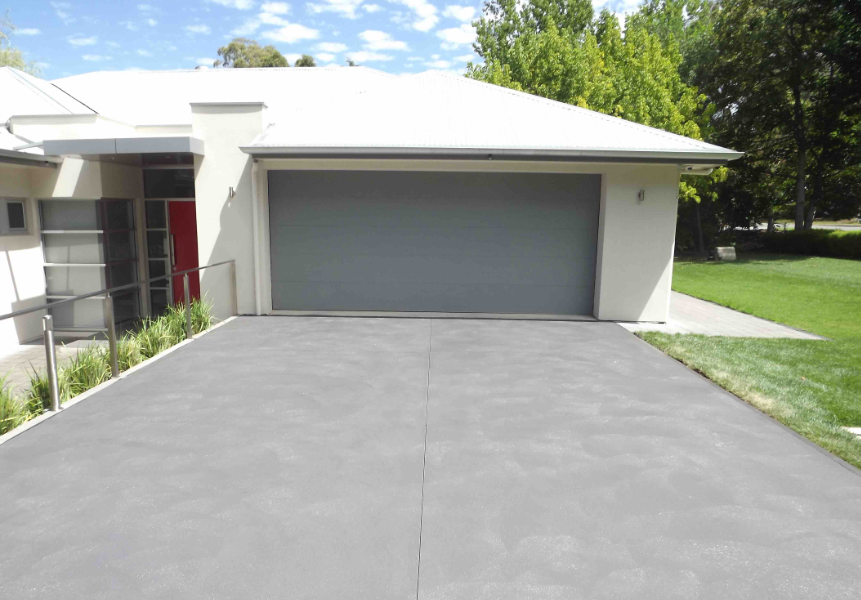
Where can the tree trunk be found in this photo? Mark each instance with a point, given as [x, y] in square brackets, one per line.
[702, 243]
[770, 228]
[799, 188]
[814, 198]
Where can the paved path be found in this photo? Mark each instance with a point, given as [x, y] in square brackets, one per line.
[18, 364]
[692, 315]
[282, 457]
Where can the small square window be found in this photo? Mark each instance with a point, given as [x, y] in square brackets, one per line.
[13, 218]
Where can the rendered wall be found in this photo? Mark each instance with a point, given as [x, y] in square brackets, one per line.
[22, 280]
[224, 223]
[22, 277]
[635, 240]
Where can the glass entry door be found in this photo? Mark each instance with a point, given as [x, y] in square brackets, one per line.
[159, 255]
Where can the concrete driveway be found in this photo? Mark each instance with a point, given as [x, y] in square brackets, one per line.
[333, 458]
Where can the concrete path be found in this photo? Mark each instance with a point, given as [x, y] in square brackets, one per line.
[692, 315]
[18, 364]
[408, 458]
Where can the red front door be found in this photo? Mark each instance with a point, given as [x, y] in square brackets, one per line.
[183, 234]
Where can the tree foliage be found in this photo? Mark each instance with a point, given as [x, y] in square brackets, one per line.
[243, 53]
[306, 60]
[10, 56]
[555, 49]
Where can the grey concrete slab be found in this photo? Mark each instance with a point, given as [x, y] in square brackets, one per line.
[570, 460]
[692, 315]
[272, 458]
[283, 457]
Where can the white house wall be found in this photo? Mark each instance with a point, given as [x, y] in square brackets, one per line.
[225, 222]
[22, 278]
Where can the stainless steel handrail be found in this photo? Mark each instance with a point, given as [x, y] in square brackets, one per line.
[48, 322]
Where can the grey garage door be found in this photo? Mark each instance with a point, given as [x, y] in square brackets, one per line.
[418, 241]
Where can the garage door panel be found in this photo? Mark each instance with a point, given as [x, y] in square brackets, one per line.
[419, 241]
[550, 300]
[393, 199]
[417, 268]
[442, 241]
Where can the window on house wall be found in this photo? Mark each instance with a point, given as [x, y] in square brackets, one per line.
[89, 245]
[13, 216]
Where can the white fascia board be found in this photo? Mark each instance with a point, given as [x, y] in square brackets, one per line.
[687, 157]
[134, 145]
[29, 159]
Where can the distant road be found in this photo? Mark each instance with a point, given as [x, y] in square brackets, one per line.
[815, 226]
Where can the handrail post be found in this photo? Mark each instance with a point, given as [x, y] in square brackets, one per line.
[188, 331]
[112, 335]
[51, 360]
[234, 287]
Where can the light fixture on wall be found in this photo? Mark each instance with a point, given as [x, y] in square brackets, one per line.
[232, 192]
[641, 196]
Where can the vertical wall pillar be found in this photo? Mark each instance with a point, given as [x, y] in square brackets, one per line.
[224, 197]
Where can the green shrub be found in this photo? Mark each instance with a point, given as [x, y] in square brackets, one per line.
[815, 242]
[13, 410]
[91, 365]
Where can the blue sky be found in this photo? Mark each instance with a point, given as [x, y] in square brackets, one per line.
[398, 36]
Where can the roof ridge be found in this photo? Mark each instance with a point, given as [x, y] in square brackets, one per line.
[24, 81]
[698, 144]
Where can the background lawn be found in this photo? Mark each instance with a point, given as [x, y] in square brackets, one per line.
[814, 387]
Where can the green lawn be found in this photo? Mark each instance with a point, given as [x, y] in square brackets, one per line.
[814, 387]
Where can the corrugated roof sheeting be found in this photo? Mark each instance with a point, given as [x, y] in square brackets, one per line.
[440, 111]
[23, 94]
[164, 97]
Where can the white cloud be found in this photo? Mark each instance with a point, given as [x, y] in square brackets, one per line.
[364, 56]
[239, 4]
[345, 8]
[277, 8]
[151, 22]
[291, 33]
[206, 62]
[61, 10]
[325, 57]
[129, 25]
[146, 8]
[439, 64]
[144, 53]
[371, 8]
[96, 57]
[461, 13]
[331, 47]
[27, 31]
[380, 40]
[466, 58]
[247, 28]
[425, 12]
[82, 41]
[292, 58]
[203, 29]
[414, 58]
[456, 36]
[113, 44]
[43, 65]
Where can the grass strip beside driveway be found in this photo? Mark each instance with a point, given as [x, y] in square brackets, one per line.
[814, 387]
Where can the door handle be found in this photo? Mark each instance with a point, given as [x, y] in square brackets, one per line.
[172, 252]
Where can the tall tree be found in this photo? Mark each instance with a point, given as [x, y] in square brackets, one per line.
[243, 53]
[306, 60]
[765, 78]
[552, 48]
[10, 56]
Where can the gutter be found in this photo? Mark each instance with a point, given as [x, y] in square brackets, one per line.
[11, 157]
[604, 156]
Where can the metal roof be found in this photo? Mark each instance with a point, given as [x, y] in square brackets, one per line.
[164, 97]
[437, 114]
[23, 94]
